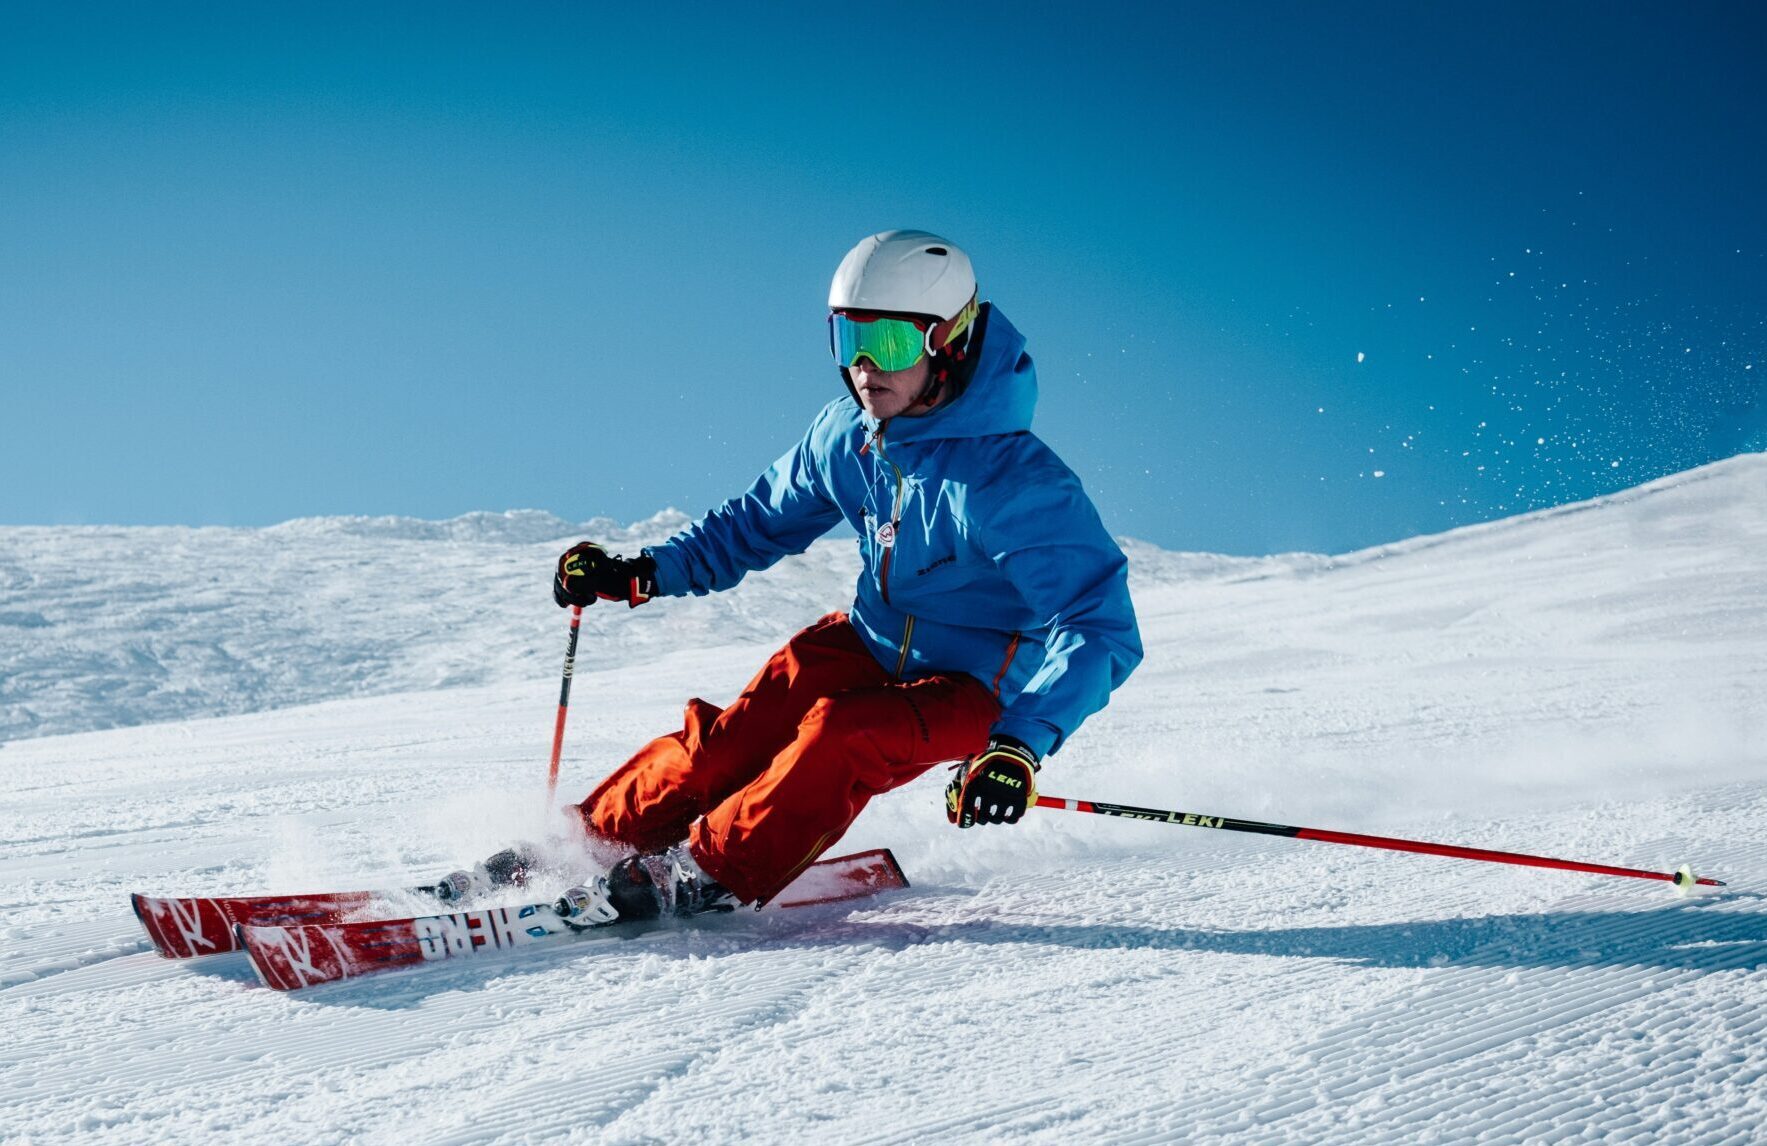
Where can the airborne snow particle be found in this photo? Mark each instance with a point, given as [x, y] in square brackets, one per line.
[1539, 441]
[1380, 473]
[1360, 356]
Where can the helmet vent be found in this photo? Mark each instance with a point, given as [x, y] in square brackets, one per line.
[937, 251]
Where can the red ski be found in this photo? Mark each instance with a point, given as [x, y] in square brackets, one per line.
[290, 956]
[184, 928]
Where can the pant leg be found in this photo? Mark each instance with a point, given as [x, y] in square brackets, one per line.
[849, 747]
[650, 801]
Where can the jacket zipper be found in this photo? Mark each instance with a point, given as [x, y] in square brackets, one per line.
[907, 635]
[883, 566]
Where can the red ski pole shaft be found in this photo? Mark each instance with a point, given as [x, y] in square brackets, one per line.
[1228, 824]
[564, 703]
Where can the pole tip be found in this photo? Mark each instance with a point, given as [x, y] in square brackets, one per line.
[1688, 883]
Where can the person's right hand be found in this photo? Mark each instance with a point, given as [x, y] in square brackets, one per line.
[586, 571]
[994, 787]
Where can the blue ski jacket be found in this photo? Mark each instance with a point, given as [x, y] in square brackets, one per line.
[982, 553]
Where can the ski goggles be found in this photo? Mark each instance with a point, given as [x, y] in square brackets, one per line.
[891, 342]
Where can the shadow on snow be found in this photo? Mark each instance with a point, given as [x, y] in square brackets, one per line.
[1695, 936]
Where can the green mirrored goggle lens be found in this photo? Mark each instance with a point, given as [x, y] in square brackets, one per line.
[891, 343]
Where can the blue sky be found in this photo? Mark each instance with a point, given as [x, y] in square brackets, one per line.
[263, 262]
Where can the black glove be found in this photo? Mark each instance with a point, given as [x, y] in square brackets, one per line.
[587, 571]
[995, 787]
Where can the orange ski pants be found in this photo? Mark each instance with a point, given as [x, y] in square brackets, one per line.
[760, 789]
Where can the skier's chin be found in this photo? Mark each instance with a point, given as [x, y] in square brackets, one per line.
[881, 404]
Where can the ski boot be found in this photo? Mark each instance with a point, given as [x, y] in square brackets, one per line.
[508, 868]
[651, 886]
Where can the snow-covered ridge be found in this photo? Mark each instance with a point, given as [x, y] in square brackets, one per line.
[512, 527]
[1735, 489]
[104, 627]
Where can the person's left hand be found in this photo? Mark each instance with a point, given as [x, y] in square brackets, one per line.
[996, 786]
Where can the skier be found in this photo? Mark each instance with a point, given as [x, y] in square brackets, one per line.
[992, 614]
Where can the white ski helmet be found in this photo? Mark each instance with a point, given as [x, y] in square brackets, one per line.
[904, 272]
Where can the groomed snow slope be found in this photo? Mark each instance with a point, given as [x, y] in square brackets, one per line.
[1586, 682]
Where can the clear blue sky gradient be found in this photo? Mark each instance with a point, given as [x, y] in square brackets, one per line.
[262, 262]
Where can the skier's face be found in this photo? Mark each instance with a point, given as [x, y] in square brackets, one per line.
[887, 393]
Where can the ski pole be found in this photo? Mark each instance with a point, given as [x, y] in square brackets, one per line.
[1683, 879]
[564, 704]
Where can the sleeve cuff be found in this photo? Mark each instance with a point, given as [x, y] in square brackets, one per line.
[671, 578]
[1039, 737]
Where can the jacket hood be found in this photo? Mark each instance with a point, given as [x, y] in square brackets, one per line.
[999, 399]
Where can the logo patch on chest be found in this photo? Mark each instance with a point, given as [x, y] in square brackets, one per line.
[886, 533]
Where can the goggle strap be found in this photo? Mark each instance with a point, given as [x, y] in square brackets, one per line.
[945, 333]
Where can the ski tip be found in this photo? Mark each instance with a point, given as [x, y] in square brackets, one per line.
[263, 961]
[178, 928]
[142, 906]
[889, 857]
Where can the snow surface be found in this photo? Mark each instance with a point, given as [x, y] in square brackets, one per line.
[1586, 681]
